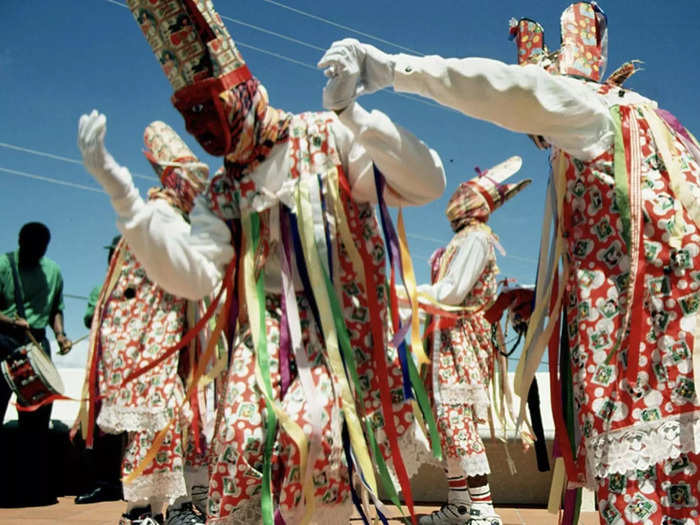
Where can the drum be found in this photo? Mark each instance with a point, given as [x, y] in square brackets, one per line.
[31, 375]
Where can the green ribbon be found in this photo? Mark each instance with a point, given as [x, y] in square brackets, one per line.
[622, 190]
[425, 408]
[264, 364]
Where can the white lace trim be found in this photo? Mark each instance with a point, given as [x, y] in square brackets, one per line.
[415, 451]
[464, 394]
[642, 445]
[471, 465]
[115, 419]
[167, 486]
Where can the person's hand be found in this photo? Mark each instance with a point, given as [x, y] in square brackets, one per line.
[115, 179]
[21, 323]
[354, 69]
[64, 344]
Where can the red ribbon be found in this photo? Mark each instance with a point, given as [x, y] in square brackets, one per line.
[379, 357]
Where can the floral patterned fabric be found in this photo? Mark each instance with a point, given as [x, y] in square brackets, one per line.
[632, 427]
[140, 321]
[235, 485]
[665, 493]
[462, 367]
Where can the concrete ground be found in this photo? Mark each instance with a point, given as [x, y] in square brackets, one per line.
[65, 511]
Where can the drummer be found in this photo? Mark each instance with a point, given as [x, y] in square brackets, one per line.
[31, 307]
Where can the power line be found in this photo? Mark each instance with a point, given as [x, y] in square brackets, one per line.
[340, 26]
[274, 33]
[60, 157]
[308, 15]
[49, 179]
[306, 65]
[73, 296]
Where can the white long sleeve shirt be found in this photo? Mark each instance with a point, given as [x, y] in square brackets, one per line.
[188, 260]
[467, 264]
[567, 112]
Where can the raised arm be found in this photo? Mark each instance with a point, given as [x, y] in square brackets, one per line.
[413, 172]
[187, 260]
[526, 99]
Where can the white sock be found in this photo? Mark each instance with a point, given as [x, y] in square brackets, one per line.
[481, 497]
[457, 493]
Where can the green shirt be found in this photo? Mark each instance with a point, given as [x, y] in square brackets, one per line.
[92, 302]
[42, 291]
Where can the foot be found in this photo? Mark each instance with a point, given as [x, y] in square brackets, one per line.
[141, 516]
[449, 514]
[483, 514]
[99, 494]
[185, 514]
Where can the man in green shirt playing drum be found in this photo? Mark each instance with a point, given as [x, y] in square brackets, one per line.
[28, 309]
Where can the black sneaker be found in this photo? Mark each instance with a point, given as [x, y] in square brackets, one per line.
[449, 514]
[141, 516]
[185, 514]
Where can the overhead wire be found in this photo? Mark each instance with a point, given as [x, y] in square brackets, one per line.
[61, 158]
[260, 50]
[341, 26]
[51, 180]
[306, 65]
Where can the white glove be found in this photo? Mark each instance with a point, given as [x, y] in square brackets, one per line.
[115, 179]
[354, 69]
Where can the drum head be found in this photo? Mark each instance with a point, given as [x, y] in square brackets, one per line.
[7, 376]
[46, 370]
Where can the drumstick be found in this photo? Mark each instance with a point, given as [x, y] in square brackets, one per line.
[81, 338]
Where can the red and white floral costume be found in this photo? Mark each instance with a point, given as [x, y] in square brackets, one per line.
[643, 435]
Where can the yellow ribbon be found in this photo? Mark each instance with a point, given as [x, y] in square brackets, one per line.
[410, 282]
[533, 350]
[313, 263]
[557, 487]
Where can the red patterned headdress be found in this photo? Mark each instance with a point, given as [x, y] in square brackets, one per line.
[477, 198]
[584, 42]
[178, 169]
[225, 107]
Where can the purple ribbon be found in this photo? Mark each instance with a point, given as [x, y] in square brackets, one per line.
[392, 245]
[682, 133]
[285, 337]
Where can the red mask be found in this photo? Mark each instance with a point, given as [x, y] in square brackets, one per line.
[205, 114]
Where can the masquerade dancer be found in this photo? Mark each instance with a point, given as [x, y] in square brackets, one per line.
[135, 322]
[624, 192]
[462, 361]
[313, 390]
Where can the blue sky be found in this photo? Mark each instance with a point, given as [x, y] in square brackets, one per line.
[61, 59]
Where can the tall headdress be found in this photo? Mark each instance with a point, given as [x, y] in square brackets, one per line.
[225, 107]
[178, 169]
[477, 198]
[584, 42]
